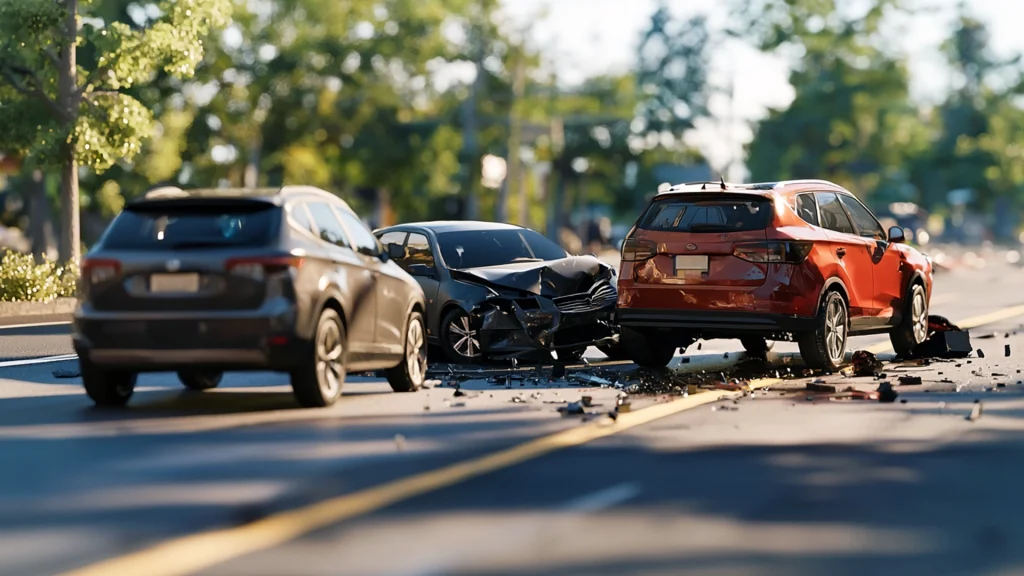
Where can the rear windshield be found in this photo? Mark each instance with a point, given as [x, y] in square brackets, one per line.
[707, 215]
[479, 248]
[174, 228]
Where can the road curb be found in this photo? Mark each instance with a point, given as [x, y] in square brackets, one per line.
[29, 309]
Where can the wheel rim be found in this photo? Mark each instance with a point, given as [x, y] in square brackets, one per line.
[463, 337]
[835, 330]
[919, 315]
[416, 352]
[329, 366]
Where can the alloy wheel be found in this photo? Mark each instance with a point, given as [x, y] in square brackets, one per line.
[919, 315]
[835, 330]
[329, 366]
[463, 337]
[416, 352]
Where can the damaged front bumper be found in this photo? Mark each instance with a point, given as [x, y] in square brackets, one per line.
[510, 327]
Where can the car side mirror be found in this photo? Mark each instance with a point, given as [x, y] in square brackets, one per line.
[423, 271]
[395, 251]
[896, 235]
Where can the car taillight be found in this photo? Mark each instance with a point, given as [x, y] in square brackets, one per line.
[780, 252]
[261, 267]
[634, 250]
[97, 270]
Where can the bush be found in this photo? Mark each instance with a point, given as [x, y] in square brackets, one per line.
[22, 280]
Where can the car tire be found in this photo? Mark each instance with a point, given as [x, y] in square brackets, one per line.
[107, 387]
[825, 348]
[410, 373]
[913, 327]
[200, 379]
[757, 347]
[318, 379]
[460, 339]
[646, 351]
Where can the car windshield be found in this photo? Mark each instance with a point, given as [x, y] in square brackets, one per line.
[708, 215]
[480, 248]
[191, 227]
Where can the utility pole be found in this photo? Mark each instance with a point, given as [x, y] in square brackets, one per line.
[515, 129]
[470, 145]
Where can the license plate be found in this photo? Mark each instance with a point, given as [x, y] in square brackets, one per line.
[690, 263]
[173, 283]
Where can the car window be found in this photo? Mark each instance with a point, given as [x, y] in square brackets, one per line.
[833, 216]
[417, 251]
[479, 248]
[393, 238]
[328, 224]
[301, 217]
[197, 226]
[362, 239]
[807, 209]
[708, 215]
[866, 222]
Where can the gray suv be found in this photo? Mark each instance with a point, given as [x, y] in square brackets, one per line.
[204, 281]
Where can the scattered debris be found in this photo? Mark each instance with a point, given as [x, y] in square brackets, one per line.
[399, 442]
[65, 373]
[976, 411]
[945, 340]
[910, 380]
[865, 363]
[854, 394]
[458, 392]
[981, 353]
[1001, 385]
[903, 401]
[572, 409]
[886, 393]
[820, 386]
[1006, 350]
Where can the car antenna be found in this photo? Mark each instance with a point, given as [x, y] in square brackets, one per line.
[722, 180]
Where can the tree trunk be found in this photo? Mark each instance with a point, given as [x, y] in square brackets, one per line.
[40, 223]
[70, 247]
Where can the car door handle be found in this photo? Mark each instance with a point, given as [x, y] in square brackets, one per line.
[841, 252]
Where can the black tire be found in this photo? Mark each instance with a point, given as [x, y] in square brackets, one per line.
[460, 339]
[320, 376]
[647, 351]
[913, 327]
[410, 373]
[200, 379]
[757, 347]
[571, 355]
[825, 348]
[107, 387]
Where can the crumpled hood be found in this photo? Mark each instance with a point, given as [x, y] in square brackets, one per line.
[550, 279]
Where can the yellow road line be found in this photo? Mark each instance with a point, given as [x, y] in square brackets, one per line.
[189, 554]
[966, 324]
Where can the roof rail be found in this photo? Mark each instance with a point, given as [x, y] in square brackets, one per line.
[806, 181]
[166, 192]
[313, 190]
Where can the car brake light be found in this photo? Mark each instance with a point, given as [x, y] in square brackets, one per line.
[97, 270]
[634, 250]
[260, 267]
[780, 252]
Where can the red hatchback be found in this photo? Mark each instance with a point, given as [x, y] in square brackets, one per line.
[799, 260]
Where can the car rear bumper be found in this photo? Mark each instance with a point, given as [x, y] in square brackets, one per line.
[264, 339]
[717, 323]
[565, 332]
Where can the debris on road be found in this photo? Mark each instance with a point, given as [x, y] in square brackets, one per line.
[945, 340]
[820, 386]
[1006, 350]
[866, 364]
[886, 393]
[910, 380]
[572, 409]
[981, 353]
[399, 442]
[976, 411]
[65, 373]
[852, 393]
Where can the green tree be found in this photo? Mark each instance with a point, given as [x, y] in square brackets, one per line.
[70, 112]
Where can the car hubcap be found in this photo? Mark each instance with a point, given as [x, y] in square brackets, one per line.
[329, 366]
[919, 314]
[416, 352]
[463, 337]
[835, 330]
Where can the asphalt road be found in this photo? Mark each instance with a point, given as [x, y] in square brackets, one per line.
[770, 483]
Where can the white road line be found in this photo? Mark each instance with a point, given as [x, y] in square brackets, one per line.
[603, 499]
[43, 360]
[36, 325]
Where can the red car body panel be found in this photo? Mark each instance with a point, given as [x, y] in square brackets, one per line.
[873, 274]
